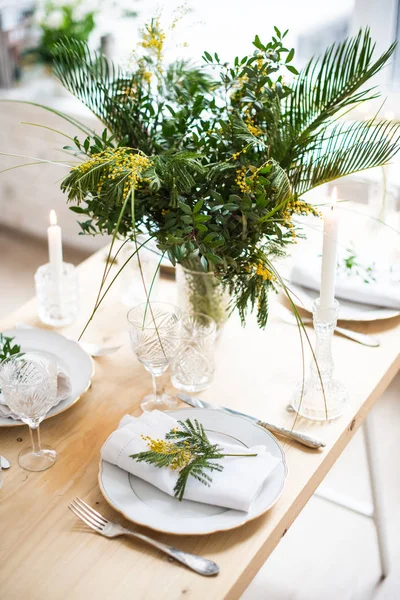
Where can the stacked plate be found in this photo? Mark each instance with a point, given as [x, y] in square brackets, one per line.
[67, 354]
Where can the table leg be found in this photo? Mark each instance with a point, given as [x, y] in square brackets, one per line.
[375, 511]
[378, 511]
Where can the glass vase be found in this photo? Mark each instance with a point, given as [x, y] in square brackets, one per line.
[201, 292]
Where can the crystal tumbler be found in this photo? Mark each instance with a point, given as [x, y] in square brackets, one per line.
[193, 366]
[57, 299]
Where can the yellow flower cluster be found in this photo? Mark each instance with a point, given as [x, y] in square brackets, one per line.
[256, 131]
[265, 273]
[118, 163]
[299, 207]
[241, 180]
[147, 75]
[182, 456]
[288, 223]
[180, 12]
[239, 89]
[153, 39]
[260, 61]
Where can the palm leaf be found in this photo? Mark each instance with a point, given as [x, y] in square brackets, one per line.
[104, 88]
[333, 82]
[327, 86]
[343, 149]
[280, 182]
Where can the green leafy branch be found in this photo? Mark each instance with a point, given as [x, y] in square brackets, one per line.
[188, 451]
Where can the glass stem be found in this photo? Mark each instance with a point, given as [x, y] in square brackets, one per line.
[35, 439]
[154, 380]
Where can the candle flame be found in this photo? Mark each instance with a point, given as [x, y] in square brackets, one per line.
[53, 217]
[334, 198]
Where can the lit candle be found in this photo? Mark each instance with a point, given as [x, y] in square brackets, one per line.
[329, 255]
[55, 255]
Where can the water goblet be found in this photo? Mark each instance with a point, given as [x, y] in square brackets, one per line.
[30, 388]
[154, 336]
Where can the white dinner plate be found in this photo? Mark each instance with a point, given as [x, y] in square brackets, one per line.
[144, 504]
[67, 354]
[348, 311]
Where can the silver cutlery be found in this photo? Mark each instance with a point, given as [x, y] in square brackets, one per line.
[301, 438]
[109, 529]
[4, 463]
[366, 340]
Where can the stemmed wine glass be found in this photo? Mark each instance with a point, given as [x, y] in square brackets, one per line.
[30, 389]
[154, 335]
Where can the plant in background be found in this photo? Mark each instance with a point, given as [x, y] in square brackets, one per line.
[59, 21]
[211, 162]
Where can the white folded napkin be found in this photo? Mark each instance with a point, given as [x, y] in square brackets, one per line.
[63, 391]
[350, 285]
[235, 487]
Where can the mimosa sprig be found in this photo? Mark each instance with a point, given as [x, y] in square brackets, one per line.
[187, 450]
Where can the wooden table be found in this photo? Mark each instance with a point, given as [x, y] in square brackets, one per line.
[46, 554]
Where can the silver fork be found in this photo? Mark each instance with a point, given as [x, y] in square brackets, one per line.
[110, 529]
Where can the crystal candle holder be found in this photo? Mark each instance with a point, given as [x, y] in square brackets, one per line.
[322, 398]
[57, 298]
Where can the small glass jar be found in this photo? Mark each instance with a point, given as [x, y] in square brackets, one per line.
[57, 299]
[193, 366]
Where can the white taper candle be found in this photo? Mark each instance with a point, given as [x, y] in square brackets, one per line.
[54, 236]
[329, 254]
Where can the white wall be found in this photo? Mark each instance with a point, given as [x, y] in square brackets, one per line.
[27, 194]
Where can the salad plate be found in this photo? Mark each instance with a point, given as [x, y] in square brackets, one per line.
[349, 311]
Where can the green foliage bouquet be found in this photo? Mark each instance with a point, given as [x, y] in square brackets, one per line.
[211, 162]
[64, 21]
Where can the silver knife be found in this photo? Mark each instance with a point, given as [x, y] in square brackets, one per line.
[302, 438]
